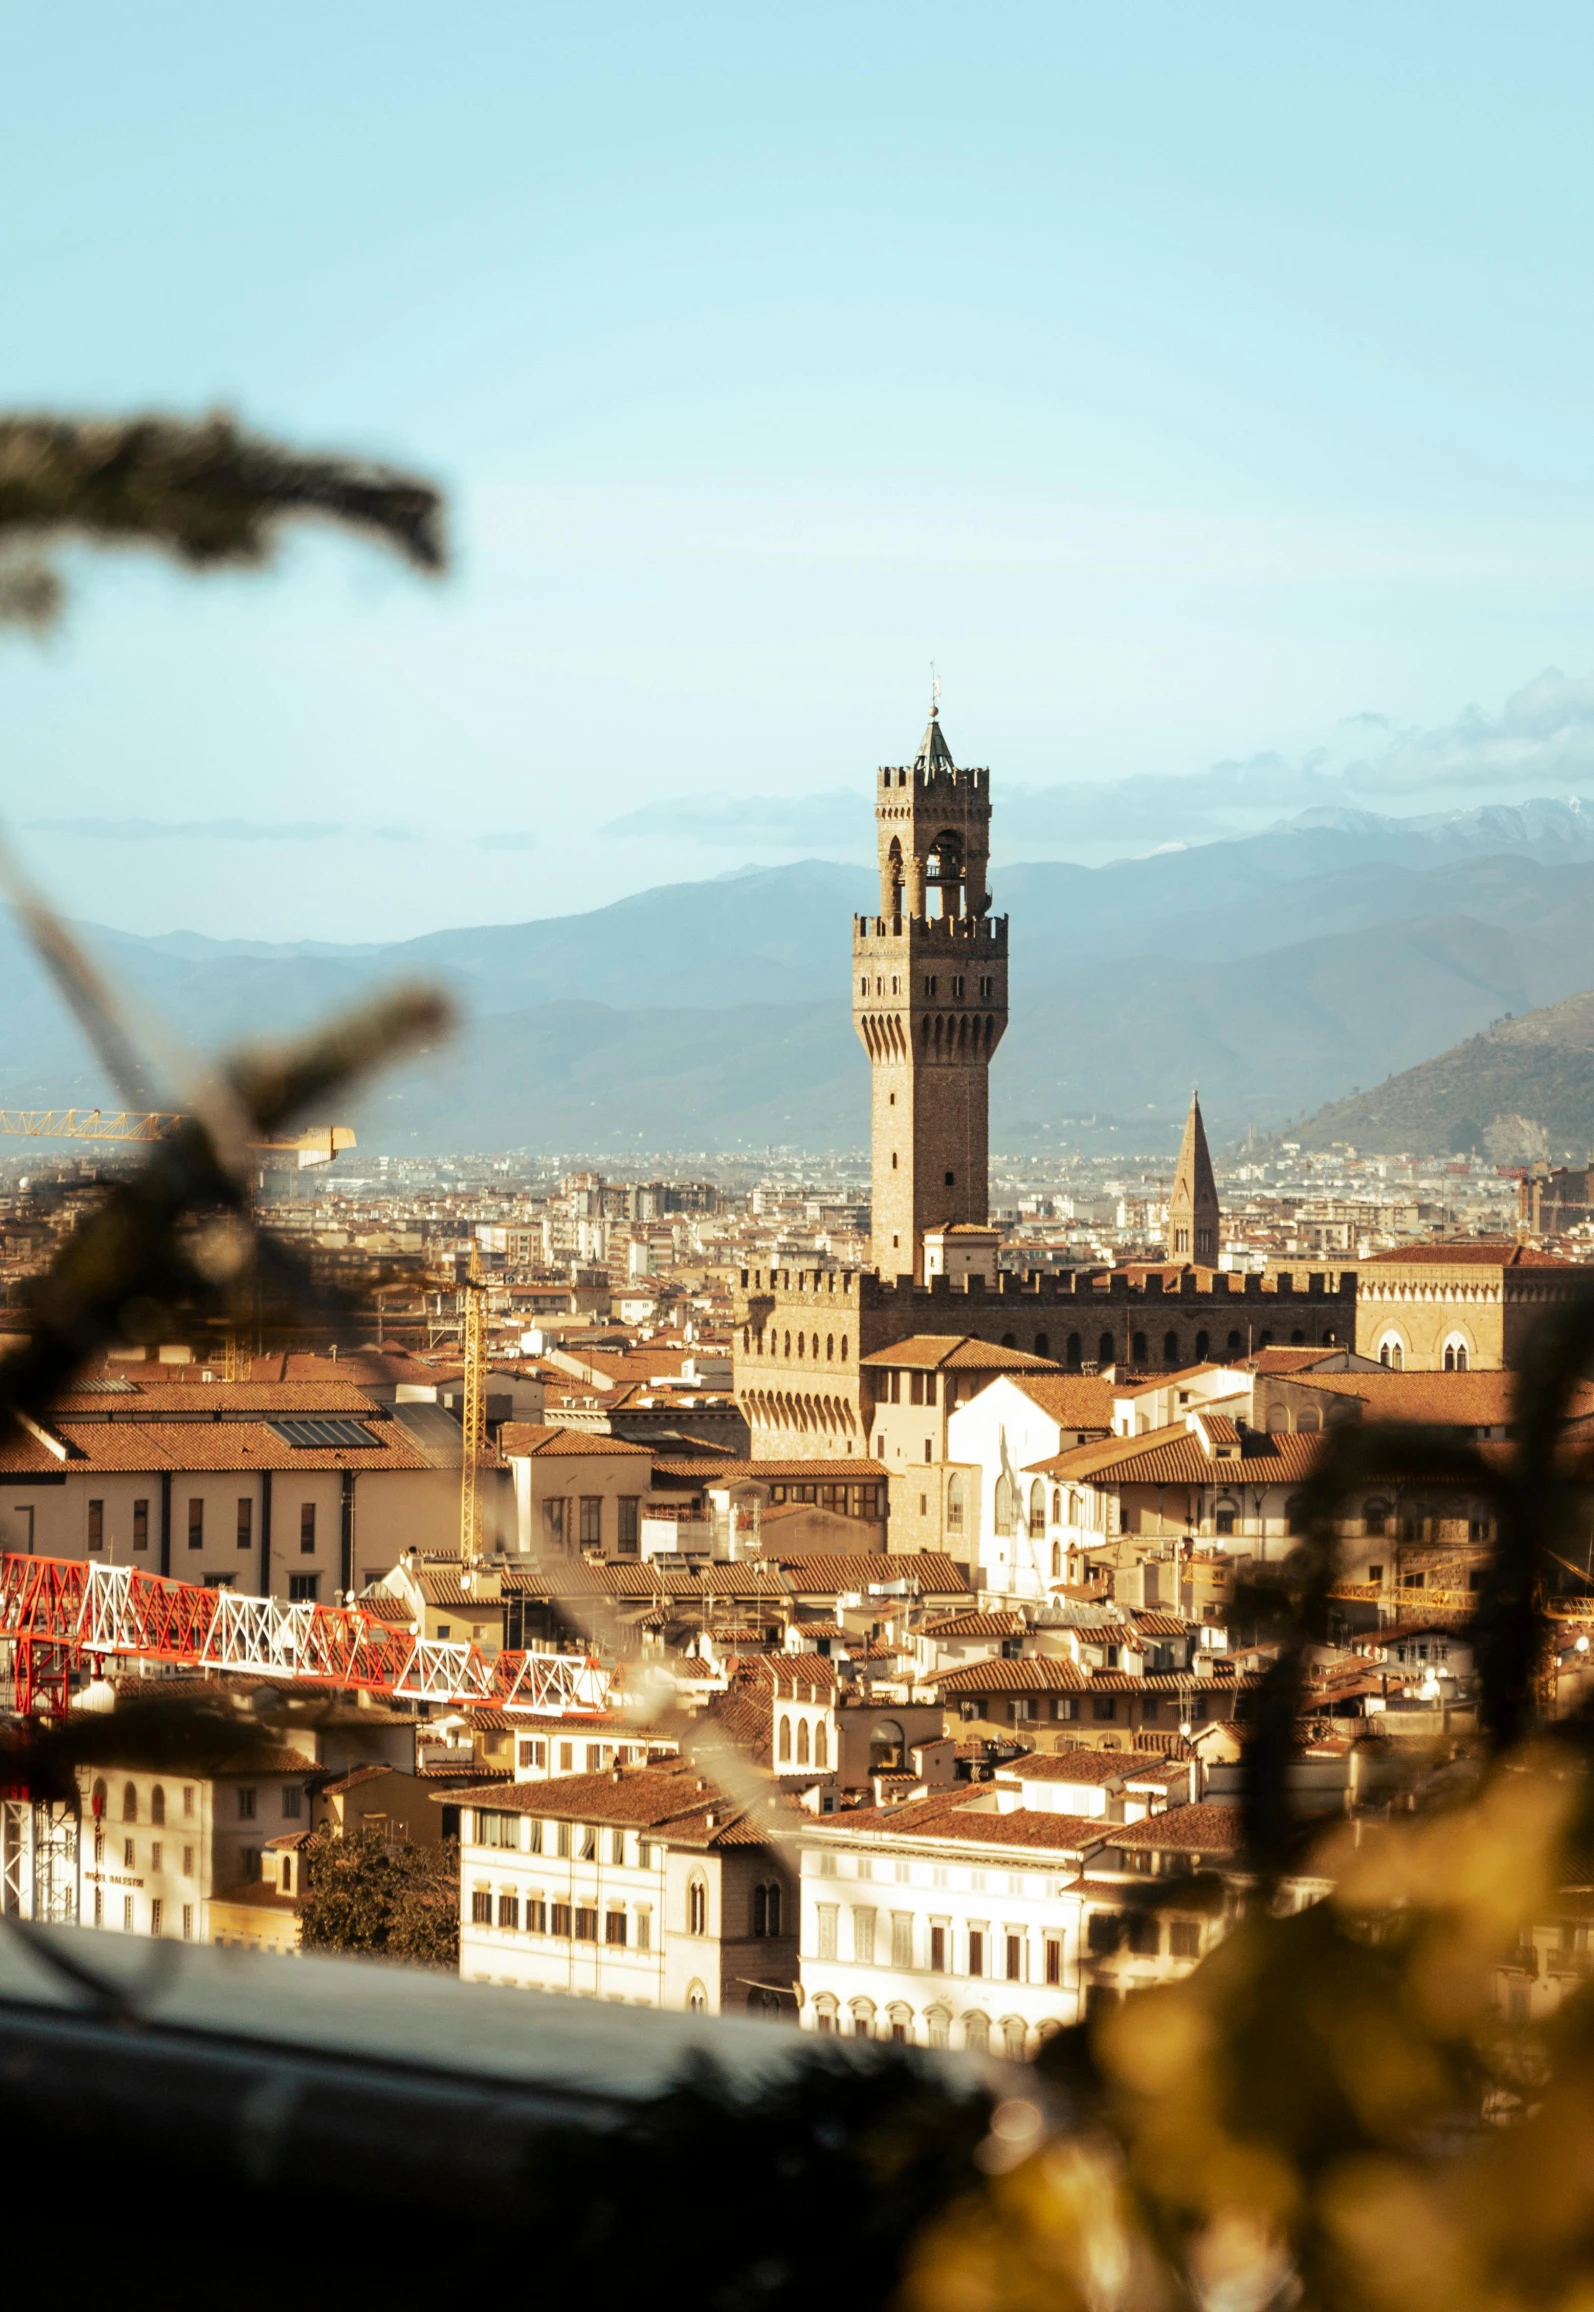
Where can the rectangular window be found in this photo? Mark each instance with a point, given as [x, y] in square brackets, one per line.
[976, 1951]
[536, 1915]
[303, 1588]
[246, 1522]
[589, 1844]
[99, 1906]
[188, 1862]
[246, 1805]
[562, 1839]
[188, 1798]
[156, 1855]
[481, 1906]
[509, 1911]
[863, 1937]
[141, 1525]
[188, 1922]
[1104, 1707]
[1184, 1938]
[96, 1525]
[644, 1929]
[127, 1914]
[533, 1753]
[307, 1529]
[614, 1930]
[827, 1930]
[1023, 1710]
[938, 1950]
[1054, 1960]
[128, 1861]
[1104, 1933]
[1223, 1520]
[559, 1920]
[292, 1801]
[617, 1846]
[630, 1531]
[1015, 1958]
[196, 1525]
[1145, 1934]
[592, 1521]
[916, 1388]
[553, 1525]
[586, 1923]
[157, 1912]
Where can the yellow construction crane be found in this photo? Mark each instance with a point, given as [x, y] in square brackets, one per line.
[473, 1425]
[319, 1145]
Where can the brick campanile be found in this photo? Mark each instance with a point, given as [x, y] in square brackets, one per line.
[929, 1000]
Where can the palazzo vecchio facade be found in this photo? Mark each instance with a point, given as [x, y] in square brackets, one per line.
[929, 1001]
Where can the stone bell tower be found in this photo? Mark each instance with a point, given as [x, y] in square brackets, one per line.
[929, 1000]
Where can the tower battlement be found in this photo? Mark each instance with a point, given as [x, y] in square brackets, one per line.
[987, 932]
[938, 779]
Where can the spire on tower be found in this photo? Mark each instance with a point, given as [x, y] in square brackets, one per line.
[1193, 1202]
[934, 754]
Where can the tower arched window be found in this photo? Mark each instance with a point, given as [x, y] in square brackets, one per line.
[1203, 1343]
[1057, 1561]
[1392, 1352]
[1008, 1342]
[157, 1804]
[822, 1745]
[954, 1502]
[1104, 1350]
[1076, 1352]
[787, 1350]
[696, 1999]
[802, 1742]
[1043, 1344]
[1137, 1350]
[844, 1348]
[130, 1802]
[1236, 1345]
[800, 1339]
[1456, 1355]
[785, 1741]
[887, 1750]
[697, 1907]
[830, 1348]
[1170, 1349]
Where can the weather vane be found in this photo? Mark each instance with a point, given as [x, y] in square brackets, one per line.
[935, 690]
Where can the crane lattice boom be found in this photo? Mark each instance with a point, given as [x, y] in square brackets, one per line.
[59, 1615]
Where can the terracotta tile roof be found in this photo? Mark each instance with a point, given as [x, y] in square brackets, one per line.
[1203, 1829]
[353, 1779]
[1176, 1456]
[1037, 1674]
[210, 1446]
[221, 1400]
[1081, 1766]
[1444, 1400]
[940, 1816]
[1497, 1254]
[821, 1574]
[671, 1797]
[1284, 1360]
[976, 1626]
[958, 1353]
[533, 1440]
[1074, 1400]
[1154, 1625]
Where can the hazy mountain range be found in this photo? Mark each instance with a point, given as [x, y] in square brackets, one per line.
[1279, 970]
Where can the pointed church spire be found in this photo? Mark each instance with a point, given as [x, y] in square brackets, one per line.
[1193, 1202]
[934, 754]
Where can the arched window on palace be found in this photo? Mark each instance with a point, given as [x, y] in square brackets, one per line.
[1392, 1352]
[1456, 1354]
[821, 1744]
[954, 1502]
[887, 1750]
[1037, 1508]
[1170, 1349]
[785, 1741]
[157, 1804]
[697, 1908]
[802, 1742]
[1104, 1350]
[1057, 1561]
[130, 1802]
[1137, 1349]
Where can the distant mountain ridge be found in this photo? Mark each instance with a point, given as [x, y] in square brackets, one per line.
[1524, 1087]
[1277, 969]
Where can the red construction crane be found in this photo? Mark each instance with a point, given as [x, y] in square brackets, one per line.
[59, 1616]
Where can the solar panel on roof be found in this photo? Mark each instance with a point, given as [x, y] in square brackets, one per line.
[319, 1435]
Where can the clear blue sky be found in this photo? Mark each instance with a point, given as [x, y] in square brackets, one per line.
[1189, 382]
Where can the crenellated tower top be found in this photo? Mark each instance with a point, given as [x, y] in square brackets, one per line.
[933, 824]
